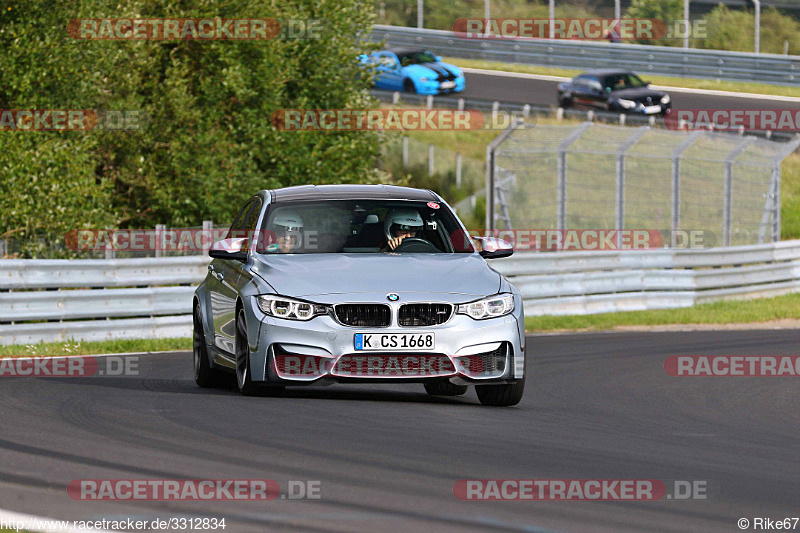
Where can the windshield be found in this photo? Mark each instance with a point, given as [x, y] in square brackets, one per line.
[623, 81]
[415, 58]
[361, 226]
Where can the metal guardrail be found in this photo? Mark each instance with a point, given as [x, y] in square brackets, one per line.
[563, 283]
[688, 62]
[95, 299]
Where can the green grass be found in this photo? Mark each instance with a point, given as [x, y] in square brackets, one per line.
[96, 347]
[689, 83]
[724, 312]
[790, 197]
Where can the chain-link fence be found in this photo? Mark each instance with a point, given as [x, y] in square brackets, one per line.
[594, 176]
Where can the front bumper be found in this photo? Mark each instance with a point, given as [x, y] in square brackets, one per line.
[434, 87]
[655, 109]
[322, 351]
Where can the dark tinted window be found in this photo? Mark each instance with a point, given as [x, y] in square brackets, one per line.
[238, 226]
[622, 81]
[359, 226]
[415, 58]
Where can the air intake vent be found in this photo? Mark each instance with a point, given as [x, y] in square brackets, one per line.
[364, 315]
[424, 314]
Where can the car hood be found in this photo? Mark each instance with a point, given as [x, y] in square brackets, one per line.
[432, 70]
[309, 275]
[638, 93]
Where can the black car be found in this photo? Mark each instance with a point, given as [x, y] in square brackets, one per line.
[618, 91]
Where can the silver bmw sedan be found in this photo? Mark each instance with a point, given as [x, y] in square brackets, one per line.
[316, 285]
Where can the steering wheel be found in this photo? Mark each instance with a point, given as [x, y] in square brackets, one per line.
[416, 245]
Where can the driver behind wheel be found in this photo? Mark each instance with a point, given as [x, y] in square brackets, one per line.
[287, 225]
[401, 224]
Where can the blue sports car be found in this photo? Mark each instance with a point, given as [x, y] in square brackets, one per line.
[413, 71]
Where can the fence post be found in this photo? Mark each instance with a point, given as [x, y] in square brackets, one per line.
[676, 185]
[776, 205]
[490, 170]
[405, 152]
[727, 189]
[430, 160]
[161, 239]
[208, 229]
[561, 212]
[429, 102]
[110, 252]
[395, 97]
[461, 104]
[620, 182]
[458, 170]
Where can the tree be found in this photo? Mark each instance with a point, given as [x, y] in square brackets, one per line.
[664, 10]
[204, 141]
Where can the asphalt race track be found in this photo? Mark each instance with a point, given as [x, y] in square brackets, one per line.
[597, 406]
[512, 89]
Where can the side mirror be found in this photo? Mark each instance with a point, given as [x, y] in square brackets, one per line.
[438, 58]
[235, 249]
[493, 248]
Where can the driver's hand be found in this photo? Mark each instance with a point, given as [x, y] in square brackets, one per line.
[394, 243]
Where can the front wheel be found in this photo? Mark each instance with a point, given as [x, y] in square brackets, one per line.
[244, 381]
[408, 86]
[504, 395]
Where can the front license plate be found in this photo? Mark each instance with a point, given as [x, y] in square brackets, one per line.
[652, 109]
[447, 84]
[394, 341]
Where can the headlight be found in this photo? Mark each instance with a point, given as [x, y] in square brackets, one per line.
[627, 104]
[665, 99]
[424, 79]
[491, 307]
[281, 307]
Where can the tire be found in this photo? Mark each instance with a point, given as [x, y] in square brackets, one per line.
[408, 86]
[565, 103]
[243, 378]
[501, 395]
[204, 375]
[444, 388]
